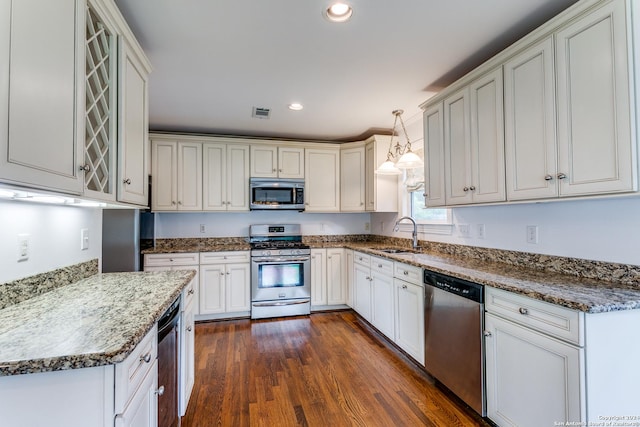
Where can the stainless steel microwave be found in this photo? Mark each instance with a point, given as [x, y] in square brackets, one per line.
[272, 194]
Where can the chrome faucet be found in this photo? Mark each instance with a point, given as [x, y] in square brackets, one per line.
[415, 230]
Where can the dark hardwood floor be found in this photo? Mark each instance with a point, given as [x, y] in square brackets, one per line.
[327, 369]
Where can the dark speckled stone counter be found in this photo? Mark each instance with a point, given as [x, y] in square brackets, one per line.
[578, 293]
[93, 322]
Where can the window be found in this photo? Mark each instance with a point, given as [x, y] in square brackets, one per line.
[411, 190]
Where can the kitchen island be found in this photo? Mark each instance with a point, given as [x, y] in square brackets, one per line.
[84, 353]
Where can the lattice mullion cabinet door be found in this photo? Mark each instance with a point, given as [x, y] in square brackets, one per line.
[101, 62]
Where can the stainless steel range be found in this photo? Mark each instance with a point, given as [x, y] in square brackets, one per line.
[280, 271]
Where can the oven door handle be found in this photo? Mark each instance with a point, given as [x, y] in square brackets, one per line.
[278, 260]
[279, 303]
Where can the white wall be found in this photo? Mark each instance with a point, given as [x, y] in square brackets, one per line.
[602, 229]
[173, 225]
[54, 237]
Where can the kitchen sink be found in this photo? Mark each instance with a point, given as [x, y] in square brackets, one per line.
[396, 251]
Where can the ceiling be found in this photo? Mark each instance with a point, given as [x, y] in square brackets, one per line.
[213, 61]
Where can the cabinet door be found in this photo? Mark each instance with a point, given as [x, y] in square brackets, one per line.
[196, 280]
[362, 291]
[521, 396]
[352, 180]
[434, 156]
[165, 176]
[237, 177]
[214, 177]
[142, 410]
[264, 161]
[133, 180]
[322, 180]
[382, 306]
[291, 162]
[381, 191]
[189, 169]
[596, 150]
[336, 284]
[212, 289]
[42, 144]
[409, 318]
[187, 357]
[350, 276]
[457, 148]
[530, 130]
[238, 294]
[487, 138]
[318, 277]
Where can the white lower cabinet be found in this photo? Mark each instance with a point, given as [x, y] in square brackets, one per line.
[187, 345]
[409, 310]
[328, 278]
[382, 307]
[349, 276]
[225, 289]
[142, 410]
[177, 261]
[362, 285]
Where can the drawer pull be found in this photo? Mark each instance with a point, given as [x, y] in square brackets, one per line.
[190, 292]
[189, 329]
[404, 286]
[523, 311]
[406, 273]
[379, 265]
[487, 334]
[170, 259]
[146, 358]
[160, 390]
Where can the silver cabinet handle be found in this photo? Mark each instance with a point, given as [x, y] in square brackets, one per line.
[406, 273]
[85, 168]
[465, 189]
[146, 358]
[548, 177]
[561, 176]
[273, 170]
[222, 273]
[160, 390]
[472, 188]
[173, 202]
[228, 273]
[404, 286]
[279, 170]
[487, 334]
[190, 292]
[170, 259]
[127, 181]
[379, 265]
[189, 329]
[424, 194]
[523, 311]
[179, 202]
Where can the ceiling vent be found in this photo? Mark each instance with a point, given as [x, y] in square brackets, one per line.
[261, 113]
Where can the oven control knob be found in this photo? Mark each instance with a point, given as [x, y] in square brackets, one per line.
[297, 252]
[266, 253]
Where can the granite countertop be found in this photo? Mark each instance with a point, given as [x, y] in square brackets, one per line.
[578, 293]
[93, 322]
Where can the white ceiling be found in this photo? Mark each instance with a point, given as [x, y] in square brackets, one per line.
[214, 60]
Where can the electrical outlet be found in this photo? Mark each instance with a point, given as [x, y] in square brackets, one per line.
[480, 231]
[202, 228]
[84, 239]
[23, 247]
[532, 234]
[463, 230]
[367, 226]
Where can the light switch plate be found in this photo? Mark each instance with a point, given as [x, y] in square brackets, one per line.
[23, 247]
[84, 239]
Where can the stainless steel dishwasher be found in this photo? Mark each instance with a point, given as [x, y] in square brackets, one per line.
[454, 350]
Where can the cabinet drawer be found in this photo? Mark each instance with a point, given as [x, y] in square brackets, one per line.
[382, 265]
[132, 371]
[408, 273]
[554, 320]
[362, 259]
[224, 257]
[171, 259]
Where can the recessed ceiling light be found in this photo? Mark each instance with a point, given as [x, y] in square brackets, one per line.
[338, 12]
[295, 106]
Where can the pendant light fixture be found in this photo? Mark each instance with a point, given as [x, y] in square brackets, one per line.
[399, 156]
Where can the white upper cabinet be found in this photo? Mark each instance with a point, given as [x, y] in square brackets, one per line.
[322, 182]
[596, 149]
[270, 161]
[133, 148]
[474, 142]
[381, 191]
[42, 133]
[178, 177]
[352, 179]
[225, 177]
[530, 131]
[569, 114]
[434, 156]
